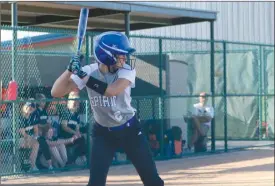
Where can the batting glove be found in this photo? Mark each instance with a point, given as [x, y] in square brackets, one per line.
[74, 63]
[81, 74]
[75, 66]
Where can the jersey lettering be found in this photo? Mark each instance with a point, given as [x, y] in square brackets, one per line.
[103, 101]
[106, 101]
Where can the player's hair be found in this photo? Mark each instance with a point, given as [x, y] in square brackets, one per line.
[26, 105]
[39, 96]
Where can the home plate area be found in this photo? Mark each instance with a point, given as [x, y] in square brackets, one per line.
[239, 168]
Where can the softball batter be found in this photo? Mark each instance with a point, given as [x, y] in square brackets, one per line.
[109, 84]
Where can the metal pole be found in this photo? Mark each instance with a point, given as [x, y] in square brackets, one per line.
[265, 53]
[127, 23]
[161, 99]
[14, 40]
[14, 50]
[260, 92]
[225, 96]
[127, 30]
[212, 86]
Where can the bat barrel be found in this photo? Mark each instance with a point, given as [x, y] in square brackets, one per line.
[82, 25]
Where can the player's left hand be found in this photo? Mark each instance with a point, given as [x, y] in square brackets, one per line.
[75, 66]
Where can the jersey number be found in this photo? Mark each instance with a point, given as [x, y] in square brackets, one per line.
[118, 116]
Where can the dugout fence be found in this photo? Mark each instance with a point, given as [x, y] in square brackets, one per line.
[171, 73]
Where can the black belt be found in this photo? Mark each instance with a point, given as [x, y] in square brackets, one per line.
[128, 123]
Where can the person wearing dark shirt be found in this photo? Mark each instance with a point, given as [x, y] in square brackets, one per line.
[43, 126]
[70, 126]
[27, 140]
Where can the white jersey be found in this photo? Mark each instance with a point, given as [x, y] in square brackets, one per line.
[110, 111]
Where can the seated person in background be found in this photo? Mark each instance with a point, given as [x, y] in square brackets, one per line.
[43, 114]
[43, 126]
[57, 149]
[70, 126]
[201, 119]
[54, 119]
[154, 144]
[177, 140]
[27, 140]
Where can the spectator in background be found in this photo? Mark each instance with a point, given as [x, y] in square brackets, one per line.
[54, 119]
[43, 126]
[57, 148]
[70, 126]
[153, 142]
[27, 140]
[42, 112]
[201, 119]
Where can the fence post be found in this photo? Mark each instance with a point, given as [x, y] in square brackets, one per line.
[13, 71]
[212, 86]
[265, 79]
[225, 96]
[260, 92]
[161, 99]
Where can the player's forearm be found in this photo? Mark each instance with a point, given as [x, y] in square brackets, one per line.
[60, 142]
[62, 86]
[69, 130]
[103, 88]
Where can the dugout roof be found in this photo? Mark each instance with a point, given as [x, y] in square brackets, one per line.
[103, 15]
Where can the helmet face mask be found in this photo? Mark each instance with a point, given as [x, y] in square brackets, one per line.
[121, 60]
[113, 50]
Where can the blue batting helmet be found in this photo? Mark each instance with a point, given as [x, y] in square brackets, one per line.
[109, 44]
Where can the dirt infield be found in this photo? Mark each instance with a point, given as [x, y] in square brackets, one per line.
[242, 168]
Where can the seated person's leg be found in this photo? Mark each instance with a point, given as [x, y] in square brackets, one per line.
[82, 148]
[45, 149]
[29, 142]
[193, 139]
[70, 151]
[56, 157]
[42, 160]
[204, 129]
[201, 143]
[197, 125]
[63, 153]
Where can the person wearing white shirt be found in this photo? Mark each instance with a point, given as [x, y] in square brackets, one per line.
[202, 116]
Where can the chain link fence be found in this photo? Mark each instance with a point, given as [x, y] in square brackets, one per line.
[171, 74]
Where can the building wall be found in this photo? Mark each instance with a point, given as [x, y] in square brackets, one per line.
[237, 21]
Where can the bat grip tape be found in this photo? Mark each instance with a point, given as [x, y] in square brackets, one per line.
[97, 85]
